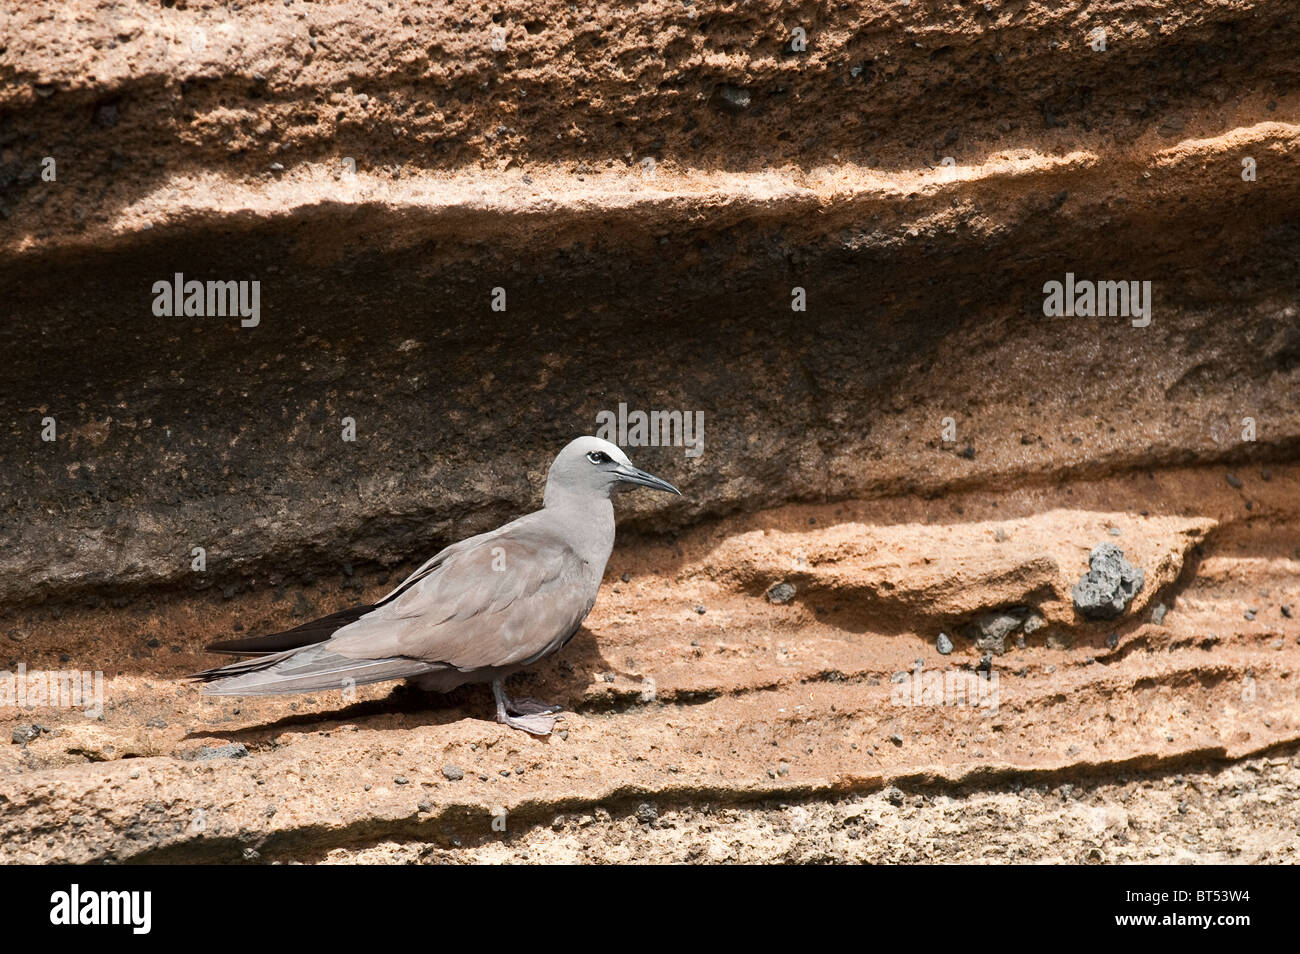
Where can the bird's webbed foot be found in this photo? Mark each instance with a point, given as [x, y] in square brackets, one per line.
[527, 715]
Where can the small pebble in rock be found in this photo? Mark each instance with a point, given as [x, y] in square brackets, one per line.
[1286, 611]
[1249, 614]
[734, 98]
[783, 768]
[779, 593]
[1158, 613]
[896, 739]
[943, 644]
[425, 806]
[701, 610]
[893, 795]
[401, 780]
[453, 773]
[626, 578]
[1112, 640]
[235, 750]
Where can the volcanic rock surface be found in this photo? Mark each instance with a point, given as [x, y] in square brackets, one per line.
[835, 250]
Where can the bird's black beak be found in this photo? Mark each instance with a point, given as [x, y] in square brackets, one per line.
[630, 475]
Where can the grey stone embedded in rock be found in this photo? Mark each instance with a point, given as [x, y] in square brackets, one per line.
[735, 98]
[990, 630]
[1059, 641]
[235, 750]
[780, 592]
[453, 773]
[943, 644]
[1158, 614]
[1110, 584]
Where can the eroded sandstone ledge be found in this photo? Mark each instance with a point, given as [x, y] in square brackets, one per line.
[208, 140]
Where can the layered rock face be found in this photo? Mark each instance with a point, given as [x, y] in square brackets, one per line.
[958, 291]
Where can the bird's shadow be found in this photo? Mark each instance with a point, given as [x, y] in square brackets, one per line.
[560, 679]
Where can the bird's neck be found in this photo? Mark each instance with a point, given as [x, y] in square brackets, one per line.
[593, 517]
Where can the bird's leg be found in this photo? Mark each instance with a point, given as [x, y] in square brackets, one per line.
[525, 714]
[530, 707]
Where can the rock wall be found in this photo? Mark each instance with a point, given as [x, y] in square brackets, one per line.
[827, 228]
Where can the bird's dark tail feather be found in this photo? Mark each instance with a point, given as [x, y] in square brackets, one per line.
[237, 668]
[317, 631]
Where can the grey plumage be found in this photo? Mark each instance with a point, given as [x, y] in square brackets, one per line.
[477, 611]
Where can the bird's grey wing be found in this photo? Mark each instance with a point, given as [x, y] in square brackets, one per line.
[319, 630]
[502, 599]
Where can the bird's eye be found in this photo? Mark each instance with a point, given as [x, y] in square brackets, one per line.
[598, 457]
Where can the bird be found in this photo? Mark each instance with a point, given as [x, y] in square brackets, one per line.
[477, 611]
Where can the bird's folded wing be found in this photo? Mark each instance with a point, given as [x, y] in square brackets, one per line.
[502, 599]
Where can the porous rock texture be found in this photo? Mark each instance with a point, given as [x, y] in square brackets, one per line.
[652, 189]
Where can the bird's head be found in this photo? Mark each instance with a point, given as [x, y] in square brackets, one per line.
[591, 467]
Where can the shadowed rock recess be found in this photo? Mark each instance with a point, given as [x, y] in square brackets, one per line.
[921, 456]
